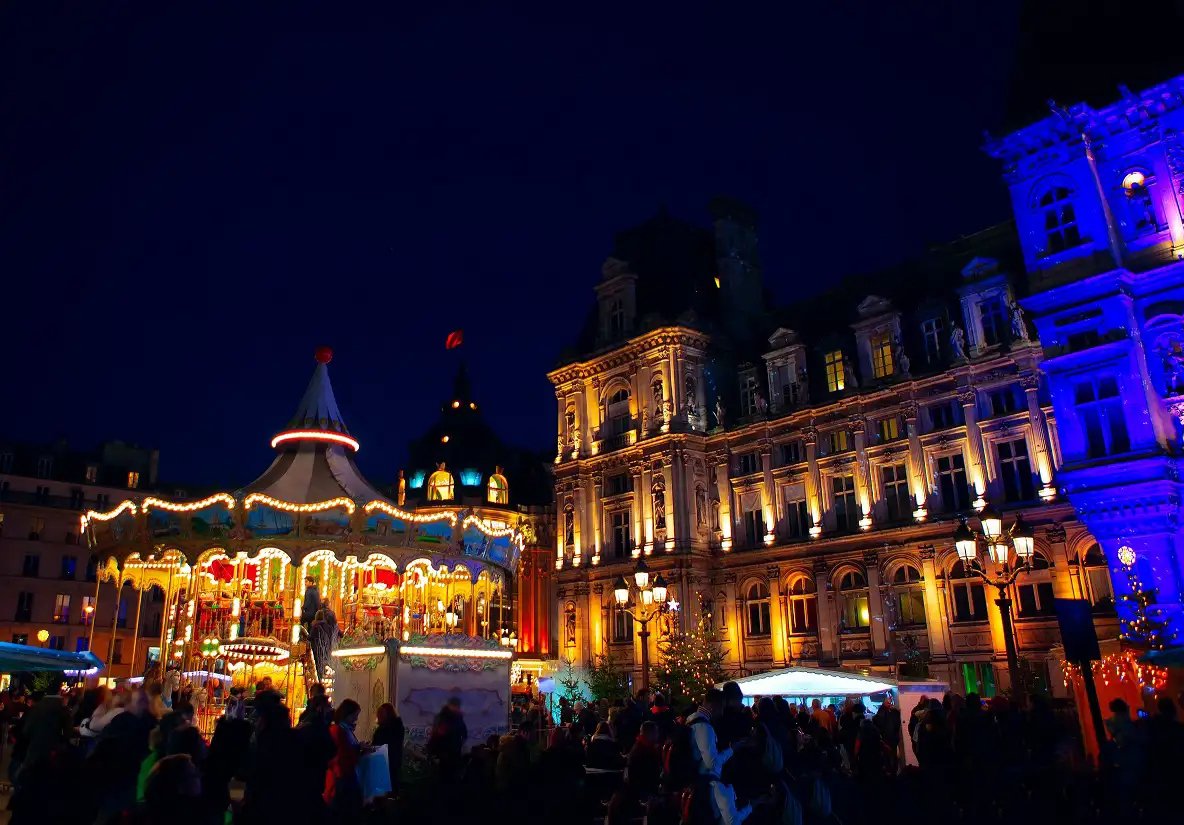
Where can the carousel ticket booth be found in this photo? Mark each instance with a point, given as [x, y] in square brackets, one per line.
[265, 582]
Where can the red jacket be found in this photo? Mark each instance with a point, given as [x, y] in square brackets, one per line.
[344, 763]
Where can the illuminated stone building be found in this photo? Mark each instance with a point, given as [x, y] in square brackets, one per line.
[1098, 196]
[798, 473]
[47, 580]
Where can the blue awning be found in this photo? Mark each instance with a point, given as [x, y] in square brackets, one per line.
[25, 659]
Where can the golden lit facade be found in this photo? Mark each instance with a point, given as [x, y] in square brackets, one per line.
[816, 526]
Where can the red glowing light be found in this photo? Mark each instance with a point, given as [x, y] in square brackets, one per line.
[316, 435]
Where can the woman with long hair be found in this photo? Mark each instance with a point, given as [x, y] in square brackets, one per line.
[343, 791]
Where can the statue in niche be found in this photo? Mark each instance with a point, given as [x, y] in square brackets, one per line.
[656, 391]
[762, 406]
[569, 625]
[569, 526]
[659, 505]
[900, 356]
[700, 507]
[667, 409]
[719, 413]
[957, 343]
[1172, 354]
[1019, 330]
[576, 440]
[560, 445]
[850, 382]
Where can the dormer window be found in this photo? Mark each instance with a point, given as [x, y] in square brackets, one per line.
[748, 393]
[931, 332]
[1055, 205]
[993, 317]
[834, 371]
[882, 364]
[616, 318]
[619, 419]
[1140, 208]
[499, 490]
[440, 485]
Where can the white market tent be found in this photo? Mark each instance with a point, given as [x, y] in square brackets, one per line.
[813, 681]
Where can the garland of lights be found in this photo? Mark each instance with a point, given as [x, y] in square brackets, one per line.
[92, 515]
[416, 518]
[1121, 667]
[315, 507]
[172, 507]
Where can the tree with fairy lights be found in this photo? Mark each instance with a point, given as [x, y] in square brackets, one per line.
[1145, 627]
[689, 663]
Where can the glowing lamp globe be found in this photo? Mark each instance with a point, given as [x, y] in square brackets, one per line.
[642, 574]
[1126, 555]
[999, 552]
[323, 355]
[621, 590]
[42, 636]
[965, 544]
[659, 589]
[1023, 539]
[992, 522]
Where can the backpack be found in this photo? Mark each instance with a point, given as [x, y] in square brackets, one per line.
[680, 757]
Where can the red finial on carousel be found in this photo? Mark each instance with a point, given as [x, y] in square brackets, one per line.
[324, 355]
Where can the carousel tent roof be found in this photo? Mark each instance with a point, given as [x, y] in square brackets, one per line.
[812, 681]
[25, 659]
[315, 461]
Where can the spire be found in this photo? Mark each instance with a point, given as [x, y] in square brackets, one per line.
[460, 384]
[317, 417]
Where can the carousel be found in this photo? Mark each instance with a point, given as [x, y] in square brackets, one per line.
[266, 581]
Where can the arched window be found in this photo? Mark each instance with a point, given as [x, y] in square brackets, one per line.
[499, 491]
[853, 592]
[619, 417]
[909, 593]
[758, 610]
[1034, 590]
[803, 607]
[970, 599]
[1138, 199]
[622, 624]
[440, 485]
[1096, 573]
[1055, 208]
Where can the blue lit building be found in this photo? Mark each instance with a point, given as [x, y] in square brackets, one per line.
[1098, 195]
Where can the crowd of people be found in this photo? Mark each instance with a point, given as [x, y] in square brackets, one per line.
[135, 757]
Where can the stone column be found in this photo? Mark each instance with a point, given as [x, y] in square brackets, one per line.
[583, 531]
[724, 486]
[770, 514]
[863, 476]
[635, 470]
[778, 632]
[596, 518]
[674, 385]
[974, 440]
[936, 621]
[918, 474]
[1043, 457]
[671, 532]
[582, 423]
[561, 401]
[647, 509]
[875, 602]
[828, 617]
[1066, 573]
[584, 627]
[814, 478]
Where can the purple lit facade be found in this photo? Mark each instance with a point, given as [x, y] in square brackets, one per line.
[1098, 196]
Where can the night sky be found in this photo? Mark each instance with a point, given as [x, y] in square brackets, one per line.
[192, 204]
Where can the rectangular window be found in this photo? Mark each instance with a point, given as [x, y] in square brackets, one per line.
[846, 510]
[5, 462]
[1015, 470]
[617, 484]
[970, 602]
[92, 473]
[1036, 599]
[56, 643]
[44, 467]
[803, 614]
[61, 608]
[92, 570]
[979, 677]
[896, 491]
[619, 533]
[881, 344]
[24, 606]
[103, 501]
[121, 618]
[1003, 401]
[32, 565]
[889, 429]
[835, 379]
[117, 653]
[931, 331]
[77, 499]
[798, 518]
[133, 480]
[791, 453]
[748, 391]
[81, 644]
[36, 528]
[910, 606]
[622, 626]
[69, 567]
[856, 615]
[951, 481]
[943, 416]
[840, 441]
[754, 527]
[1099, 408]
[88, 609]
[154, 625]
[748, 463]
[994, 320]
[20, 638]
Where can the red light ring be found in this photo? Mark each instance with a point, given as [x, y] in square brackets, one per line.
[316, 435]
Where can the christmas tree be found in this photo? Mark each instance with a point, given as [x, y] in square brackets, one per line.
[570, 681]
[607, 678]
[1145, 627]
[689, 663]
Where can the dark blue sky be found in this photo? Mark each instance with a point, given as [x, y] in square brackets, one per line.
[192, 204]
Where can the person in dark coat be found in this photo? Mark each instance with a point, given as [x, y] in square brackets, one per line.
[227, 758]
[734, 725]
[114, 764]
[390, 732]
[311, 603]
[271, 795]
[603, 751]
[644, 763]
[447, 740]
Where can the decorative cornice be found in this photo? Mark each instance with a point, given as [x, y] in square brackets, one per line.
[927, 552]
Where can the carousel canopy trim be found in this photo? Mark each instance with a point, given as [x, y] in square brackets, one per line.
[313, 507]
[315, 435]
[456, 652]
[417, 518]
[160, 504]
[25, 659]
[94, 515]
[812, 681]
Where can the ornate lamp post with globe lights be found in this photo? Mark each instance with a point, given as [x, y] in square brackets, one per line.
[1003, 574]
[653, 600]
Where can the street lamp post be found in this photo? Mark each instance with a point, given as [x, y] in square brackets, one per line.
[999, 545]
[652, 601]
